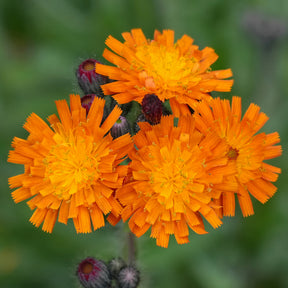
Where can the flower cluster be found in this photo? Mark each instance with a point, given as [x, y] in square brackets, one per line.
[174, 157]
[94, 273]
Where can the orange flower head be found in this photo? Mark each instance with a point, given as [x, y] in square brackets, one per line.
[172, 180]
[177, 71]
[245, 150]
[71, 168]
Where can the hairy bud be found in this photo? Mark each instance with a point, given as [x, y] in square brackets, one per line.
[120, 127]
[88, 80]
[93, 273]
[128, 277]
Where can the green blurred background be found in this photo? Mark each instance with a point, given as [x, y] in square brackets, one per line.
[42, 42]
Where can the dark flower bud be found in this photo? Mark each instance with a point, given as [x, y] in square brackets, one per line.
[120, 127]
[93, 273]
[88, 80]
[152, 108]
[87, 100]
[115, 265]
[128, 277]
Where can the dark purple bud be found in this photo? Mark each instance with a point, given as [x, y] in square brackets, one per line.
[152, 108]
[87, 100]
[93, 273]
[88, 80]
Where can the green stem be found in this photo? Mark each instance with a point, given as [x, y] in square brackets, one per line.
[131, 248]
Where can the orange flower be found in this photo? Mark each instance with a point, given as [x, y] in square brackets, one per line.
[245, 151]
[172, 180]
[176, 71]
[71, 170]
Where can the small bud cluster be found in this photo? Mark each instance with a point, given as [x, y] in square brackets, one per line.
[90, 83]
[94, 273]
[150, 110]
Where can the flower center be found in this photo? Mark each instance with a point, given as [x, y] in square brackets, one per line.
[173, 175]
[232, 153]
[71, 165]
[166, 65]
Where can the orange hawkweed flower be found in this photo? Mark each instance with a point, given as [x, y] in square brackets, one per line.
[176, 71]
[71, 169]
[245, 151]
[172, 180]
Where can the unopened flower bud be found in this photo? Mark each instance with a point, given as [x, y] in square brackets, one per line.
[152, 108]
[93, 273]
[120, 127]
[115, 265]
[88, 80]
[128, 277]
[87, 100]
